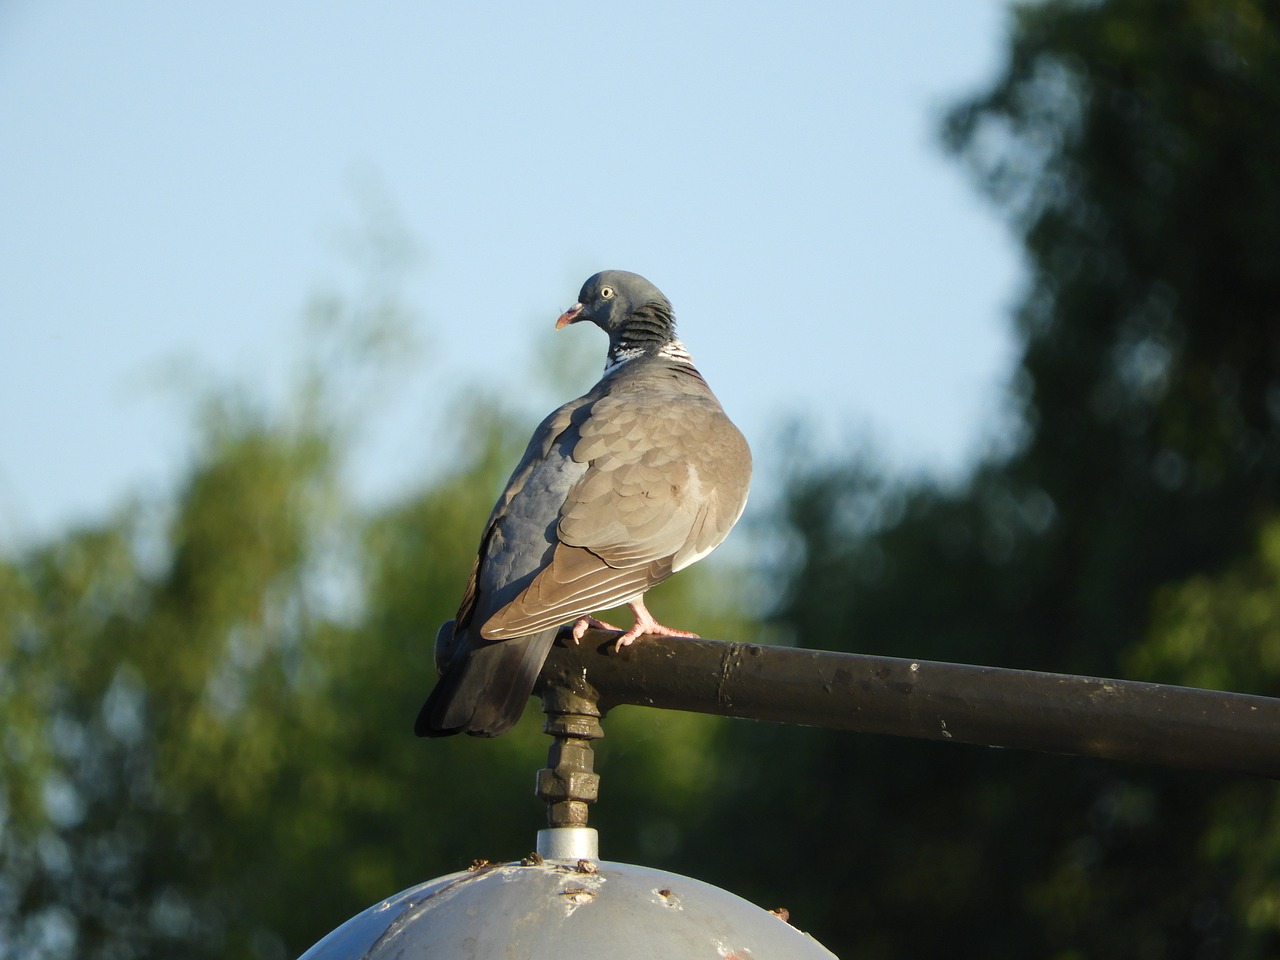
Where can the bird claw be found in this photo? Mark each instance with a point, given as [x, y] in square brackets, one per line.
[645, 624]
[583, 624]
[653, 629]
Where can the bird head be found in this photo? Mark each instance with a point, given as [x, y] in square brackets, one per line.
[613, 299]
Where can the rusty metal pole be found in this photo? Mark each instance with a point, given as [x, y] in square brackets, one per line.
[954, 703]
[569, 783]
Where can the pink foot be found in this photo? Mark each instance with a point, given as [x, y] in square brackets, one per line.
[646, 624]
[583, 624]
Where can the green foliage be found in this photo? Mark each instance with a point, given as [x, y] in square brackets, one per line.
[207, 699]
[1223, 632]
[1133, 144]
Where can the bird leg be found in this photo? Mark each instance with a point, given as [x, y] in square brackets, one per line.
[646, 624]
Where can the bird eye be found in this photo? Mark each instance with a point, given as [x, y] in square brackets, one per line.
[606, 293]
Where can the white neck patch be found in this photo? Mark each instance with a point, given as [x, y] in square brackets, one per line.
[616, 360]
[671, 350]
[675, 350]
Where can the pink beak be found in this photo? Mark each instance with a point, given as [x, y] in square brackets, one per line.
[569, 316]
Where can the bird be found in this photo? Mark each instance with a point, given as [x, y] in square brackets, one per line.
[617, 490]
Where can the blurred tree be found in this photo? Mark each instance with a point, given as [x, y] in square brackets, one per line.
[1223, 632]
[1134, 145]
[167, 673]
[208, 700]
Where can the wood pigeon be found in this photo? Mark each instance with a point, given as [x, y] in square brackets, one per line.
[616, 491]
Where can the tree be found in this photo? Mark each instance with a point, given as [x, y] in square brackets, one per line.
[209, 697]
[1133, 145]
[1222, 631]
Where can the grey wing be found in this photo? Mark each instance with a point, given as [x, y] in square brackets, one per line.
[519, 534]
[666, 481]
[484, 685]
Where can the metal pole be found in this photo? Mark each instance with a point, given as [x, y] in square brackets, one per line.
[992, 706]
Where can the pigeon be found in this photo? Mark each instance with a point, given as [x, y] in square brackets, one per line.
[617, 490]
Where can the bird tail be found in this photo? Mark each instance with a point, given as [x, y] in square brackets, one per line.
[482, 690]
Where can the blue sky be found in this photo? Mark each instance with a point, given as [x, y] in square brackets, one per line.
[173, 178]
